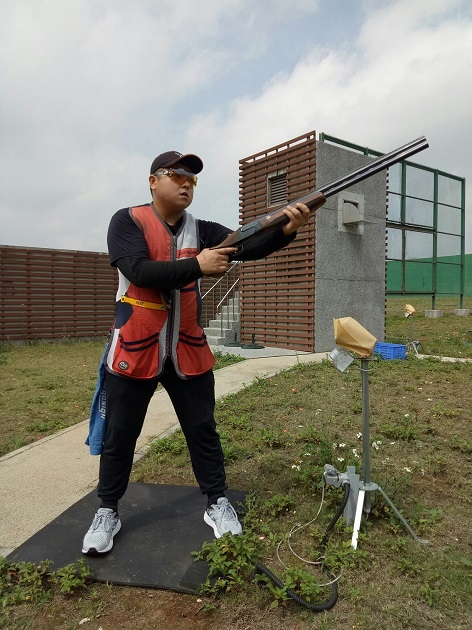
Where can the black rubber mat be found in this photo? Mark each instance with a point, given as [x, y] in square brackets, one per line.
[161, 526]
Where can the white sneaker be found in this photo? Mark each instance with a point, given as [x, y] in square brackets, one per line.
[223, 518]
[99, 538]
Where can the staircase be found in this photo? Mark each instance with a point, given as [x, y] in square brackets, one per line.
[225, 328]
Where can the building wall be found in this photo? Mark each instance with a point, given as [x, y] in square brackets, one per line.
[277, 293]
[349, 268]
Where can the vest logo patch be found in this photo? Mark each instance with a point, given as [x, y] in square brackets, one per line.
[123, 365]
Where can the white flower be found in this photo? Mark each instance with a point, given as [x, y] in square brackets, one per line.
[340, 459]
[342, 445]
[407, 415]
[355, 453]
[376, 445]
[408, 470]
[359, 435]
[296, 467]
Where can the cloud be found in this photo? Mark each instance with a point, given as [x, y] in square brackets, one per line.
[101, 87]
[389, 86]
[70, 100]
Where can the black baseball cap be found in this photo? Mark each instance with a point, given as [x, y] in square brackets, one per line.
[169, 158]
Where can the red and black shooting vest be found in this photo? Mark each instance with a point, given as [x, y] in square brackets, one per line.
[147, 330]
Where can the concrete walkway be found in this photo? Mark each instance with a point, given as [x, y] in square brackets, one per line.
[39, 481]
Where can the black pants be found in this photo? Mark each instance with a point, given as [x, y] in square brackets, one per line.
[127, 402]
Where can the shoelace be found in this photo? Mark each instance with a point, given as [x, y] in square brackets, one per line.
[226, 509]
[102, 518]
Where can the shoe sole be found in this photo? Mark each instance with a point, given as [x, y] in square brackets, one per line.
[209, 521]
[94, 552]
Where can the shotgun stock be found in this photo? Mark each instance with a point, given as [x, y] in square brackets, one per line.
[248, 233]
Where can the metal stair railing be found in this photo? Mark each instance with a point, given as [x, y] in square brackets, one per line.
[221, 303]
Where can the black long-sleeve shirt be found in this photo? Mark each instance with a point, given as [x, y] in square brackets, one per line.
[128, 251]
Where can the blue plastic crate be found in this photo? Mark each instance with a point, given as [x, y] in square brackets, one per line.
[390, 351]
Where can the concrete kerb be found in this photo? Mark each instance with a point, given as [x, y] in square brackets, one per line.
[42, 479]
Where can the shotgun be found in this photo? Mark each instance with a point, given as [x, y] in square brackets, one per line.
[317, 198]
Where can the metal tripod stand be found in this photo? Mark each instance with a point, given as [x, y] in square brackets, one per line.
[366, 486]
[412, 345]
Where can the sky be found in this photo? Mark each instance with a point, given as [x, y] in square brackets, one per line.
[92, 90]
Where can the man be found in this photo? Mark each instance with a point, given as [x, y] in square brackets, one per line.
[161, 253]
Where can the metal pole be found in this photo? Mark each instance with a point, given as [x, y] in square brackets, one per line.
[365, 432]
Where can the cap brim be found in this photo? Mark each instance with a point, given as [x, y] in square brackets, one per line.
[191, 161]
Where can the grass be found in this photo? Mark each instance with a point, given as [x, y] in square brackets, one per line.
[277, 436]
[47, 387]
[447, 336]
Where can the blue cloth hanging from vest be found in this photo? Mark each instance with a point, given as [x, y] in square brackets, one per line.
[97, 423]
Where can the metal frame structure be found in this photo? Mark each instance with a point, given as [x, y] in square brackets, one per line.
[407, 228]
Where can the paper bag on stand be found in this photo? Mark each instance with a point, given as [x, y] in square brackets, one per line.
[350, 335]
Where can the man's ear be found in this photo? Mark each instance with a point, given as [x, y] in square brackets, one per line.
[152, 182]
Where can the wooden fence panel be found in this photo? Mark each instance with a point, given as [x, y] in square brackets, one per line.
[54, 294]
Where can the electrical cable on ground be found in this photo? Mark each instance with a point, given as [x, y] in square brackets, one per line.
[262, 569]
[297, 528]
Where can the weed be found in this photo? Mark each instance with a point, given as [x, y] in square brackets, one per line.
[229, 451]
[459, 443]
[429, 593]
[438, 411]
[402, 429]
[340, 554]
[435, 464]
[72, 577]
[46, 426]
[278, 505]
[174, 444]
[230, 560]
[408, 567]
[311, 435]
[270, 437]
[32, 583]
[300, 581]
[223, 360]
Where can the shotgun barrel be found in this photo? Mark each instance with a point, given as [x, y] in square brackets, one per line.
[317, 198]
[377, 165]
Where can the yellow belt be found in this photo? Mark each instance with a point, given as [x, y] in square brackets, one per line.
[153, 305]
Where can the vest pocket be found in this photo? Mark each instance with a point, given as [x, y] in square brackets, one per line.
[138, 358]
[193, 353]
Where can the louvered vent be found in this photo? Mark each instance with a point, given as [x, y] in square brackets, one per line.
[277, 189]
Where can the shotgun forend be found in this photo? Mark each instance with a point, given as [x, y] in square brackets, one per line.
[317, 198]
